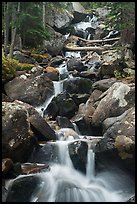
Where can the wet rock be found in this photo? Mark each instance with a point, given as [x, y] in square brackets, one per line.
[32, 90]
[67, 134]
[74, 64]
[10, 170]
[18, 190]
[78, 154]
[41, 128]
[56, 61]
[7, 164]
[132, 199]
[81, 124]
[117, 99]
[78, 118]
[38, 125]
[64, 122]
[61, 105]
[77, 85]
[4, 194]
[79, 16]
[52, 73]
[42, 154]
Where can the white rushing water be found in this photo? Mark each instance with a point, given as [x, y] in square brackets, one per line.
[43, 107]
[63, 183]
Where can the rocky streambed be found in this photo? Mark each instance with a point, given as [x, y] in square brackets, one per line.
[68, 124]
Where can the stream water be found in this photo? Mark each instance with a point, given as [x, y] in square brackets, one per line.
[63, 183]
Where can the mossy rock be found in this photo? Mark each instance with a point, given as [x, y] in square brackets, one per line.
[10, 66]
[39, 57]
[8, 69]
[24, 66]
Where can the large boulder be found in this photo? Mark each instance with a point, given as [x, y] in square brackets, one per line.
[119, 139]
[18, 140]
[78, 154]
[30, 89]
[117, 99]
[18, 189]
[39, 126]
[56, 42]
[58, 18]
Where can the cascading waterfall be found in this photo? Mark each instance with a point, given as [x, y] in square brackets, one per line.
[90, 169]
[58, 87]
[63, 183]
[43, 107]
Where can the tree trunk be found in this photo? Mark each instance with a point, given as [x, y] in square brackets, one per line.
[44, 16]
[6, 28]
[14, 33]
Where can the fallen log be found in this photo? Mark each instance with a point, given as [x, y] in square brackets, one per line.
[93, 48]
[99, 41]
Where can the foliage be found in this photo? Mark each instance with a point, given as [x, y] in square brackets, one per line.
[123, 145]
[30, 25]
[117, 74]
[121, 17]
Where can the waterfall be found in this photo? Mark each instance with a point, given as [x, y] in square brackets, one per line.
[43, 107]
[63, 154]
[58, 87]
[90, 168]
[63, 183]
[76, 128]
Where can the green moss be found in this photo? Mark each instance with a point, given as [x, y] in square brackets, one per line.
[39, 57]
[10, 66]
[24, 66]
[8, 69]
